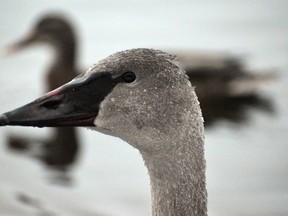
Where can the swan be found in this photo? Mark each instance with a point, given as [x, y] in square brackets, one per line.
[143, 97]
[60, 150]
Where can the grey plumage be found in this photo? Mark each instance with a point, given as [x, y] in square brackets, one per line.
[159, 114]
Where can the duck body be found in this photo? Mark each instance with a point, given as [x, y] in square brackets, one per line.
[225, 88]
[58, 75]
[144, 98]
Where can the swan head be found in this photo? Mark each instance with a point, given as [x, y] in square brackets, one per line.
[134, 94]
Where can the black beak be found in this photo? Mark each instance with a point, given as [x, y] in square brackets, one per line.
[74, 104]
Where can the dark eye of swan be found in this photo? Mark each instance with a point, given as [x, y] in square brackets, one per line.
[128, 77]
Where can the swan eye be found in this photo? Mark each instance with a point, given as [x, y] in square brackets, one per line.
[129, 77]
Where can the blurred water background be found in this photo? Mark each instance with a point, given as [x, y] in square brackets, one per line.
[247, 166]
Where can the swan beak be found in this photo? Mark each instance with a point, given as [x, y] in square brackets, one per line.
[19, 45]
[73, 104]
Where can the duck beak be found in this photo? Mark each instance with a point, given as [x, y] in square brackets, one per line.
[19, 45]
[73, 104]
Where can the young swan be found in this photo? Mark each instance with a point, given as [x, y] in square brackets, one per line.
[144, 98]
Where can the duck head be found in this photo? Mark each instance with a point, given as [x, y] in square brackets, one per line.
[51, 29]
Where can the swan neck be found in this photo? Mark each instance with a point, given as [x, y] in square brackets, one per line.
[177, 179]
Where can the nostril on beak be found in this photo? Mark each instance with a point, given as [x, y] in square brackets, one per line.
[52, 104]
[3, 120]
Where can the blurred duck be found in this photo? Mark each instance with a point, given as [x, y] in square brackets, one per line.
[57, 32]
[60, 150]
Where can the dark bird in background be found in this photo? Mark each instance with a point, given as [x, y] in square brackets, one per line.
[60, 150]
[224, 87]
